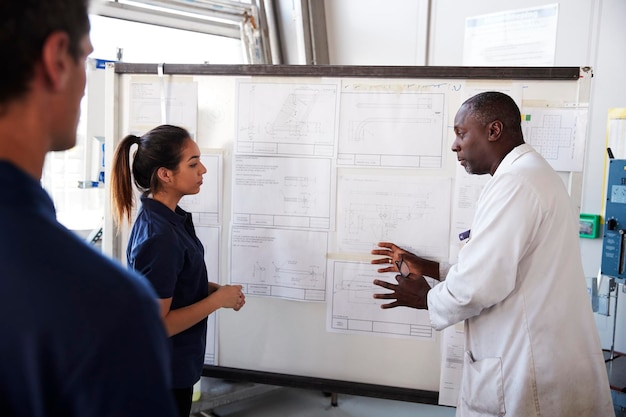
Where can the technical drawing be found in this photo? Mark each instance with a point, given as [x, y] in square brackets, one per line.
[379, 208]
[289, 274]
[358, 290]
[283, 263]
[258, 272]
[299, 203]
[286, 119]
[292, 119]
[551, 137]
[297, 195]
[352, 307]
[294, 191]
[381, 221]
[393, 129]
[558, 134]
[375, 128]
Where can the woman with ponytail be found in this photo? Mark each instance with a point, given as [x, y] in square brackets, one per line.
[164, 247]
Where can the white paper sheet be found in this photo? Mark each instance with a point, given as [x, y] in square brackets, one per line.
[210, 238]
[286, 119]
[512, 38]
[411, 211]
[452, 353]
[161, 101]
[283, 192]
[467, 189]
[391, 129]
[352, 308]
[558, 134]
[281, 263]
[616, 137]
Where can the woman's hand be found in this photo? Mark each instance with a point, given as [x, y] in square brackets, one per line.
[231, 296]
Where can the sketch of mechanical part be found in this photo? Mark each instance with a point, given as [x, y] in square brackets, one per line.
[293, 118]
[358, 290]
[259, 273]
[381, 128]
[300, 203]
[413, 123]
[298, 194]
[380, 221]
[290, 274]
[296, 115]
[391, 219]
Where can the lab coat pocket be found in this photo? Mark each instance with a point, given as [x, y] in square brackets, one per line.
[481, 390]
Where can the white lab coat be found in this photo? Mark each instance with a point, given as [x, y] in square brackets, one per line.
[532, 347]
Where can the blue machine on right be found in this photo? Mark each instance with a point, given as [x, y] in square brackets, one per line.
[613, 266]
[614, 241]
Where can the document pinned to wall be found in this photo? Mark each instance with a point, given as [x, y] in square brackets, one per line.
[616, 132]
[452, 354]
[467, 190]
[525, 37]
[155, 101]
[351, 307]
[210, 238]
[392, 126]
[411, 211]
[279, 263]
[558, 134]
[295, 192]
[298, 119]
[211, 351]
[615, 139]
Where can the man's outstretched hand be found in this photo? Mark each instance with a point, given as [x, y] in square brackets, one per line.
[393, 253]
[411, 291]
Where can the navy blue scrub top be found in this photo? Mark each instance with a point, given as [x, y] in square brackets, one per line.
[79, 335]
[164, 247]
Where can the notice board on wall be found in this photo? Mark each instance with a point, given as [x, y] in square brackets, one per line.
[309, 167]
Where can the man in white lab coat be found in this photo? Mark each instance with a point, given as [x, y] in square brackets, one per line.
[532, 347]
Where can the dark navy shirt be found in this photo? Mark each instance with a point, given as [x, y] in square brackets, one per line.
[79, 334]
[164, 247]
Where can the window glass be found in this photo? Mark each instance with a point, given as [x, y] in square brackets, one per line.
[166, 45]
[71, 177]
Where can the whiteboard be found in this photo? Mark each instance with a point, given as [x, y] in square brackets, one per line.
[320, 164]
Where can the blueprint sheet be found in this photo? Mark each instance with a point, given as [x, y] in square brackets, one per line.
[283, 192]
[558, 134]
[391, 129]
[210, 238]
[352, 308]
[281, 263]
[286, 119]
[411, 211]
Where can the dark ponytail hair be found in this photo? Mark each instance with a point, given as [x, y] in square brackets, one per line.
[160, 147]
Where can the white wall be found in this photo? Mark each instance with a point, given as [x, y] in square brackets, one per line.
[375, 32]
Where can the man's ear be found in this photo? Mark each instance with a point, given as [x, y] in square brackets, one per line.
[495, 130]
[57, 60]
